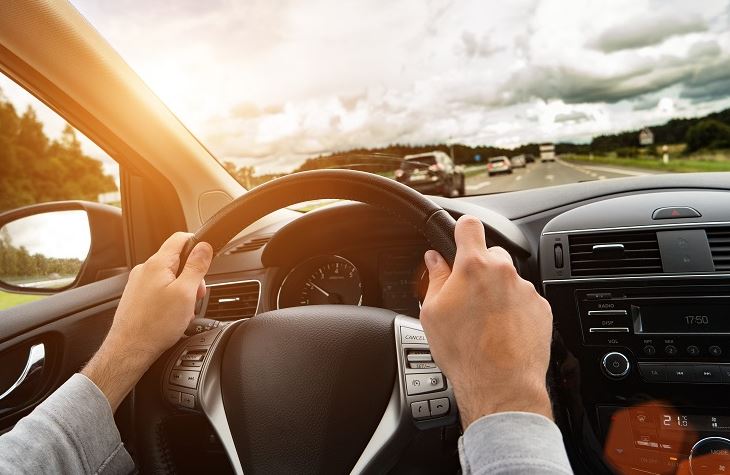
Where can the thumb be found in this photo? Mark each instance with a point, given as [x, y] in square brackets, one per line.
[196, 267]
[438, 272]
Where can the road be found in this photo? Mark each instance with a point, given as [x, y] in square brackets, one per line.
[539, 174]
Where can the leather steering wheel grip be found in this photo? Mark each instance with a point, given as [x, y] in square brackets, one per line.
[431, 221]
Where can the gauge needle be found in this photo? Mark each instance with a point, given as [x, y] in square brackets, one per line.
[326, 294]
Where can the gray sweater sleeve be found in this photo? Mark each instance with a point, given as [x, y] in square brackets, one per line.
[513, 443]
[73, 431]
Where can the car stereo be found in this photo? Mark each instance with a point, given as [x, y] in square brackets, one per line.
[674, 334]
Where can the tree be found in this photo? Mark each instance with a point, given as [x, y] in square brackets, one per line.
[35, 169]
[708, 133]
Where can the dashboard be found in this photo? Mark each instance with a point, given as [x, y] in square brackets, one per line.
[636, 270]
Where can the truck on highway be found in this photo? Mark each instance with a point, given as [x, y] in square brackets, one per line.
[547, 152]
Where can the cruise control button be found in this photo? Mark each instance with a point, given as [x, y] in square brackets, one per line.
[424, 365]
[419, 356]
[420, 410]
[653, 373]
[424, 383]
[188, 379]
[439, 406]
[411, 335]
[204, 339]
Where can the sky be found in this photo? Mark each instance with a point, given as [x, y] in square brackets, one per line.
[62, 234]
[272, 82]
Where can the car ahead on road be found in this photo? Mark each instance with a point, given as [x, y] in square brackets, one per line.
[499, 165]
[547, 152]
[529, 158]
[432, 173]
[518, 161]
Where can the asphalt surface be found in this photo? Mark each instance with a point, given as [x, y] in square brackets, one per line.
[538, 174]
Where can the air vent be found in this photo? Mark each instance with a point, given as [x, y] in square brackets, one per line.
[250, 245]
[233, 300]
[719, 239]
[615, 254]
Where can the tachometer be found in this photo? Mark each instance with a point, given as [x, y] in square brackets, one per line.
[319, 281]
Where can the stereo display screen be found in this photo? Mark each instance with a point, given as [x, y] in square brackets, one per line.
[685, 317]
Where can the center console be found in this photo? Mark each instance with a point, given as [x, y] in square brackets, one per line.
[640, 291]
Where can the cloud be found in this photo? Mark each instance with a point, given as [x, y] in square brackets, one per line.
[646, 30]
[474, 47]
[573, 116]
[270, 83]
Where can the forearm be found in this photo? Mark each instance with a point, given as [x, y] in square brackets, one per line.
[72, 431]
[116, 368]
[512, 443]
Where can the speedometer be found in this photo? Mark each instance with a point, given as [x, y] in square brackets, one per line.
[319, 281]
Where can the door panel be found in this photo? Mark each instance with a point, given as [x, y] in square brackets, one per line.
[71, 326]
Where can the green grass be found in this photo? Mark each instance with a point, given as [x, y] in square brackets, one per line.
[8, 300]
[681, 165]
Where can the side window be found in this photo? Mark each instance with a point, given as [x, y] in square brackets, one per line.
[47, 242]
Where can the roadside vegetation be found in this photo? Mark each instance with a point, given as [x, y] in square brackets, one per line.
[8, 300]
[36, 169]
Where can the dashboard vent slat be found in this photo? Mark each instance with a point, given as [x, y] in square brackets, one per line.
[233, 301]
[250, 245]
[719, 239]
[639, 255]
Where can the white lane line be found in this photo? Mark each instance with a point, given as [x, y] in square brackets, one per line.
[620, 171]
[549, 177]
[478, 186]
[518, 178]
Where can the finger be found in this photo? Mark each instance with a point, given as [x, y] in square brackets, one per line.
[469, 237]
[169, 253]
[438, 272]
[201, 290]
[196, 267]
[499, 253]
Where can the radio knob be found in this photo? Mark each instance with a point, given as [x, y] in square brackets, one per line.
[615, 365]
[709, 456]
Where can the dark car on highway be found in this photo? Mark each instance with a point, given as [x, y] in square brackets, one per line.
[432, 173]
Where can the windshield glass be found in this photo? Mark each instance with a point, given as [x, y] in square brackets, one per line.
[583, 90]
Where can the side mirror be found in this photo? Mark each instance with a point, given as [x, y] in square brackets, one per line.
[50, 247]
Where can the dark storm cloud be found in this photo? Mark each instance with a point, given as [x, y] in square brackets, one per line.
[707, 84]
[646, 30]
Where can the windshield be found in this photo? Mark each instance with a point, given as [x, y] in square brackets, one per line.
[583, 90]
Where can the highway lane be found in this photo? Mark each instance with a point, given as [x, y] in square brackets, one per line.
[539, 174]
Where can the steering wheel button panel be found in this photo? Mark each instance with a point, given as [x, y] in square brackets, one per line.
[424, 383]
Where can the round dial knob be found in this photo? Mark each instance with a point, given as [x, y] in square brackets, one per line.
[710, 455]
[615, 365]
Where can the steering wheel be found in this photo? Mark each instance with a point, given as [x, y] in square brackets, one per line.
[318, 389]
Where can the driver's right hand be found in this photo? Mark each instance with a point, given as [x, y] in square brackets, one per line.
[488, 329]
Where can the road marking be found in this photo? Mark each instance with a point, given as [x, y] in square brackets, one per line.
[549, 177]
[518, 178]
[620, 171]
[478, 186]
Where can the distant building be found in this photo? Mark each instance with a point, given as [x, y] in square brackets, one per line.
[646, 137]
